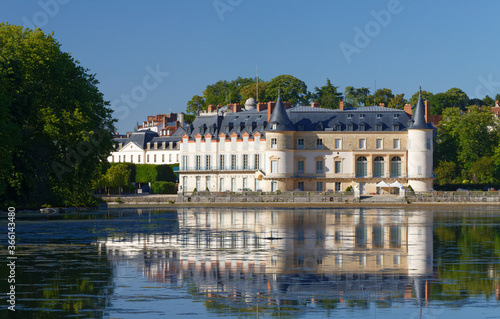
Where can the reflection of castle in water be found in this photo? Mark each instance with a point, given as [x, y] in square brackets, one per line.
[290, 253]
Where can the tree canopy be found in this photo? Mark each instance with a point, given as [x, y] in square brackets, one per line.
[327, 96]
[56, 129]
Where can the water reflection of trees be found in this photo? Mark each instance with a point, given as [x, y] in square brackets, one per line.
[61, 281]
[467, 249]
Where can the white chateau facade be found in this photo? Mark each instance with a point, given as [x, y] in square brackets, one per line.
[271, 146]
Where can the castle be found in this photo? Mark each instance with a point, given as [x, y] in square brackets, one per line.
[273, 146]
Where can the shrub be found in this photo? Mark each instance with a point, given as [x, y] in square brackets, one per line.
[163, 187]
[348, 189]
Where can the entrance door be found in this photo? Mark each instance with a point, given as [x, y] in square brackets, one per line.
[361, 188]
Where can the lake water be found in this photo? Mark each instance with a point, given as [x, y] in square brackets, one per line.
[257, 262]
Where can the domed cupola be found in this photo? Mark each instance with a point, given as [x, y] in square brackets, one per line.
[250, 104]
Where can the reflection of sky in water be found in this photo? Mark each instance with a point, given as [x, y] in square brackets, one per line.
[197, 263]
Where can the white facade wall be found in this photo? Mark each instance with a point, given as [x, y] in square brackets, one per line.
[420, 166]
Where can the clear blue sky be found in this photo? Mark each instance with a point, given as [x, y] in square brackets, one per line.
[435, 44]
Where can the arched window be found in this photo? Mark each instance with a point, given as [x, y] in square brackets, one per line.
[396, 166]
[361, 167]
[378, 167]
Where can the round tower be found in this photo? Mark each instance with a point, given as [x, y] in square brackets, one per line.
[420, 150]
[279, 147]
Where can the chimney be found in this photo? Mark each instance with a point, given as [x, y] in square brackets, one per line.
[407, 109]
[427, 110]
[150, 118]
[261, 106]
[181, 119]
[270, 108]
[341, 105]
[236, 107]
[287, 105]
[211, 108]
[382, 105]
[314, 104]
[496, 103]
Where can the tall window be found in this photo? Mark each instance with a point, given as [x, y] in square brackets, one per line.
[378, 167]
[361, 167]
[319, 167]
[233, 162]
[257, 161]
[379, 143]
[198, 180]
[338, 143]
[245, 182]
[245, 161]
[208, 162]
[338, 167]
[131, 158]
[147, 158]
[319, 186]
[396, 143]
[198, 162]
[319, 144]
[139, 159]
[233, 184]
[428, 144]
[396, 166]
[207, 183]
[362, 143]
[222, 163]
[274, 166]
[300, 167]
[163, 158]
[184, 183]
[301, 186]
[184, 162]
[221, 184]
[274, 186]
[300, 143]
[274, 143]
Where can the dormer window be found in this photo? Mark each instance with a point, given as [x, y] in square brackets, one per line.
[395, 127]
[379, 126]
[361, 116]
[319, 127]
[379, 116]
[274, 126]
[338, 127]
[350, 127]
[396, 116]
[349, 116]
[361, 127]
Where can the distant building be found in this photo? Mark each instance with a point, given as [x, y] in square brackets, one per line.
[272, 146]
[155, 142]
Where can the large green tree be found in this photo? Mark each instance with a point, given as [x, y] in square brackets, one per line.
[383, 96]
[327, 96]
[59, 125]
[355, 97]
[425, 96]
[398, 102]
[292, 90]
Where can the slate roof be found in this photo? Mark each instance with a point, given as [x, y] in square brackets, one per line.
[419, 115]
[279, 120]
[145, 137]
[302, 118]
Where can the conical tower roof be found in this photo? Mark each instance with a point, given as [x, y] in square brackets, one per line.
[419, 114]
[279, 120]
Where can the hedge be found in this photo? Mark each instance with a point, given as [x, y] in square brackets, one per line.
[154, 173]
[163, 188]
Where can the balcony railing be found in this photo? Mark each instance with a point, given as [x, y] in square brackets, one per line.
[210, 168]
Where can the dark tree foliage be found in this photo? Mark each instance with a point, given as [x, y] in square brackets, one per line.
[56, 129]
